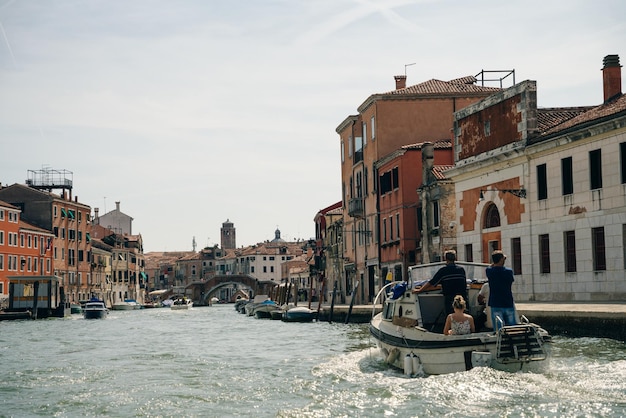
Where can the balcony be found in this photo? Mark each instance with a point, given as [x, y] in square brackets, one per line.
[356, 208]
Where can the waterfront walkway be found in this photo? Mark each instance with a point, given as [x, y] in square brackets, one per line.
[576, 319]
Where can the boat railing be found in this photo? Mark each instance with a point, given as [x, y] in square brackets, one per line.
[381, 292]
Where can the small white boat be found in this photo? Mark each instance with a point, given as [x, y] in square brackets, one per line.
[408, 331]
[126, 305]
[181, 303]
[95, 309]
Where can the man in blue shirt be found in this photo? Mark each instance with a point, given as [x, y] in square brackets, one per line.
[500, 294]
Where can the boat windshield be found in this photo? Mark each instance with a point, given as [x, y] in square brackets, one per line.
[419, 274]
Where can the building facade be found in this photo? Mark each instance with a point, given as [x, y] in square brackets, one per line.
[25, 250]
[386, 122]
[548, 187]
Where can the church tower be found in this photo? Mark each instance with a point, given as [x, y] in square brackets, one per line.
[228, 235]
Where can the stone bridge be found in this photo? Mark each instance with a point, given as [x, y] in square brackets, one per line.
[202, 292]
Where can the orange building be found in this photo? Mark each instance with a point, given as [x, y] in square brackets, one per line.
[70, 223]
[400, 210]
[386, 122]
[25, 250]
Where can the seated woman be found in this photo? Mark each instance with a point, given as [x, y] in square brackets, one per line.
[458, 322]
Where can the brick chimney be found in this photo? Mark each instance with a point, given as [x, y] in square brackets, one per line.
[611, 77]
[400, 81]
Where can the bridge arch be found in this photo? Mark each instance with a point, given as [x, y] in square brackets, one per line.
[203, 291]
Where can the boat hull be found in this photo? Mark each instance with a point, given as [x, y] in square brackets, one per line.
[441, 354]
[299, 315]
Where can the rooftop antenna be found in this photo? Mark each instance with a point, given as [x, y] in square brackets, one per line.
[407, 65]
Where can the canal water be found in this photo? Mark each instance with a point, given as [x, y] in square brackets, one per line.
[215, 362]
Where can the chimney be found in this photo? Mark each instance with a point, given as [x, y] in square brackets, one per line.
[96, 216]
[611, 77]
[428, 162]
[117, 206]
[400, 81]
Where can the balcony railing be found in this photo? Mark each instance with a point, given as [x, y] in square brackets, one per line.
[356, 208]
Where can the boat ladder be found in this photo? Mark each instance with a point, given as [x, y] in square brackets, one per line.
[519, 343]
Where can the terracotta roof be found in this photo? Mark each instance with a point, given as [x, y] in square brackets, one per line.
[548, 118]
[604, 110]
[438, 171]
[7, 205]
[459, 85]
[439, 144]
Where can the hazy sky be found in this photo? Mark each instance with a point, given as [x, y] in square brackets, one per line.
[191, 113]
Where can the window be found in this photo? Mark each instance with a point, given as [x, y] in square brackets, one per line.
[391, 228]
[595, 169]
[372, 130]
[436, 214]
[487, 128]
[385, 183]
[1, 214]
[343, 152]
[542, 182]
[569, 239]
[1, 262]
[599, 254]
[420, 220]
[469, 253]
[492, 217]
[1, 237]
[516, 255]
[384, 230]
[350, 146]
[624, 244]
[622, 161]
[364, 134]
[395, 178]
[544, 253]
[567, 177]
[22, 240]
[398, 226]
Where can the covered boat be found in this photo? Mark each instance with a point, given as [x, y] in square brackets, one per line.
[408, 331]
[95, 309]
[299, 314]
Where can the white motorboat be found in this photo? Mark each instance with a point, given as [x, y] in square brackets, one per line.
[95, 309]
[181, 303]
[408, 331]
[126, 305]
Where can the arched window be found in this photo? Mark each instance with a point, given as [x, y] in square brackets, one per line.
[492, 217]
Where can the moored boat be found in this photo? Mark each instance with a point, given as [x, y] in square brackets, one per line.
[298, 314]
[264, 309]
[181, 303]
[126, 305]
[95, 309]
[408, 331]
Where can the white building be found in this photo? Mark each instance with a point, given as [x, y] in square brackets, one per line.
[548, 187]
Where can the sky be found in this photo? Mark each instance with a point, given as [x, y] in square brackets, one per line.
[194, 112]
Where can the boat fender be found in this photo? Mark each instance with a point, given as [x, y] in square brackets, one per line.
[418, 369]
[393, 355]
[408, 365]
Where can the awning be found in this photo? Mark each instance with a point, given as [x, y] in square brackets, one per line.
[63, 213]
[143, 275]
[70, 213]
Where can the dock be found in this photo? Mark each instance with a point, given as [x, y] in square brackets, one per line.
[573, 319]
